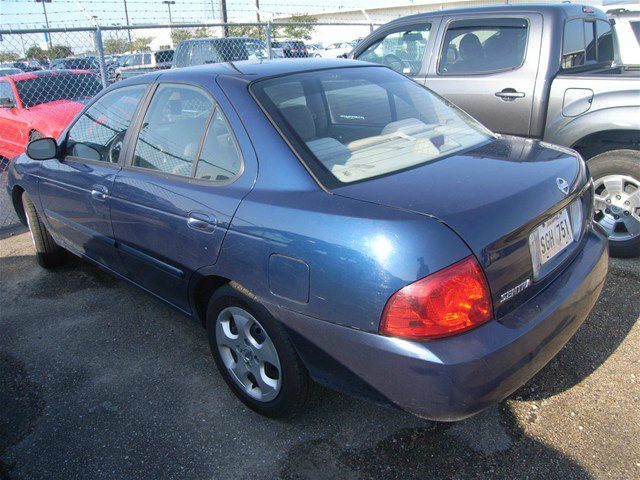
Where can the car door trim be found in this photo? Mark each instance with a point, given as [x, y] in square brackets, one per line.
[79, 227]
[176, 272]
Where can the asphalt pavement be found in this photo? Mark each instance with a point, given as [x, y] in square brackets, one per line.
[99, 380]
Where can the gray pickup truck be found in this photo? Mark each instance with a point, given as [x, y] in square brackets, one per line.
[540, 71]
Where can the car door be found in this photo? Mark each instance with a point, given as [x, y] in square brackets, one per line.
[14, 129]
[174, 200]
[75, 189]
[405, 48]
[487, 66]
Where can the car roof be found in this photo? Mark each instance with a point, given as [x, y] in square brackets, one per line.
[257, 69]
[46, 73]
[562, 10]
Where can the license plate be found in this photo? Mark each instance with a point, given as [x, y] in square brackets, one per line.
[549, 239]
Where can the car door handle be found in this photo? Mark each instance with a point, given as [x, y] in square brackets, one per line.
[509, 94]
[201, 221]
[99, 193]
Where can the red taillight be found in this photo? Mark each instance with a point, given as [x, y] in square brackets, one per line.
[447, 302]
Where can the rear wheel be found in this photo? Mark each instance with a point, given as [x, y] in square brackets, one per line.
[616, 178]
[48, 253]
[254, 354]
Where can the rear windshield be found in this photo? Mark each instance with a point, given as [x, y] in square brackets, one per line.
[81, 64]
[164, 56]
[352, 124]
[34, 91]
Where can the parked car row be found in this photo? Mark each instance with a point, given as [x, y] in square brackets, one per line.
[564, 96]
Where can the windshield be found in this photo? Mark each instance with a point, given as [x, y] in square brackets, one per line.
[44, 89]
[352, 124]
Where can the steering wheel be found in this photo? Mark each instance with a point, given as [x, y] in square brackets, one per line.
[115, 147]
[394, 62]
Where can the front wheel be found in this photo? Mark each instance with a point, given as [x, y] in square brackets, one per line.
[616, 179]
[254, 354]
[48, 253]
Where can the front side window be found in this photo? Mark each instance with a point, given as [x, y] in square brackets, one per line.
[483, 46]
[6, 92]
[401, 50]
[51, 88]
[172, 129]
[348, 144]
[100, 131]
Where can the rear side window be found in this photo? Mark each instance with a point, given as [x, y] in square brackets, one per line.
[6, 91]
[483, 46]
[99, 132]
[635, 26]
[586, 42]
[172, 129]
[401, 49]
[605, 41]
[219, 158]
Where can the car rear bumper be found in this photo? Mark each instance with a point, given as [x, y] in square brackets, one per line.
[456, 377]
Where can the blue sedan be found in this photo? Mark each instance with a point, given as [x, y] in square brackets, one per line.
[327, 221]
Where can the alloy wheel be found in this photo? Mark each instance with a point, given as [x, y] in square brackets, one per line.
[617, 206]
[248, 353]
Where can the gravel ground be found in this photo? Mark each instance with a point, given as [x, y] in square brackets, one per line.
[98, 380]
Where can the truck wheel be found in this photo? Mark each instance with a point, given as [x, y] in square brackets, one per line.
[48, 253]
[254, 354]
[616, 178]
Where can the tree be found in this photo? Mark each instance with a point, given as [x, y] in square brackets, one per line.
[36, 53]
[297, 32]
[252, 31]
[115, 46]
[59, 51]
[180, 34]
[140, 44]
[8, 57]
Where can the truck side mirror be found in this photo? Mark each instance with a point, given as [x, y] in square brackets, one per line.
[42, 149]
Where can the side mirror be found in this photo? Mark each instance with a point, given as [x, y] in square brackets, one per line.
[7, 103]
[42, 149]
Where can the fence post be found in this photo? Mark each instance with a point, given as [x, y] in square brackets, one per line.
[97, 38]
[267, 31]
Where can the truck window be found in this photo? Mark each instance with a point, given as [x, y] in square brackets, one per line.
[401, 49]
[585, 42]
[483, 46]
[605, 41]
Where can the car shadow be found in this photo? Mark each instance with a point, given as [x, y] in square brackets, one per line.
[593, 343]
[491, 444]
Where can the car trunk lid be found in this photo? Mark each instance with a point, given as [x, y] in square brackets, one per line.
[493, 196]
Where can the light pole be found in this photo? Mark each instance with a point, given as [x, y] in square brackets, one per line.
[168, 3]
[46, 18]
[126, 14]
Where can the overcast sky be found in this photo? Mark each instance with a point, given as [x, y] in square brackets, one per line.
[20, 12]
[28, 13]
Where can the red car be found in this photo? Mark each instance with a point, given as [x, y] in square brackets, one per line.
[40, 104]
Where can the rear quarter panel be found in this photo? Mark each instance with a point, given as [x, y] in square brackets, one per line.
[614, 105]
[357, 254]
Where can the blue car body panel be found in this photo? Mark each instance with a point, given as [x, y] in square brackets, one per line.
[325, 262]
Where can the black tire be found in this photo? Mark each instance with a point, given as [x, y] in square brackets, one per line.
[48, 253]
[619, 162]
[35, 135]
[296, 385]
